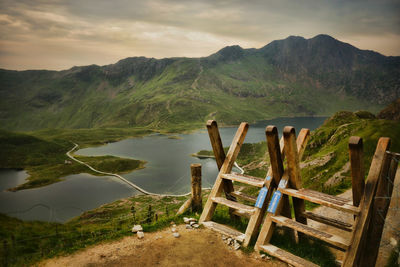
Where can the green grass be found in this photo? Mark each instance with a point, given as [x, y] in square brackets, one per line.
[29, 242]
[330, 138]
[158, 94]
[43, 156]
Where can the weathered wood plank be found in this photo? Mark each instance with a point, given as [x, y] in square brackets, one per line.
[245, 179]
[225, 230]
[219, 153]
[329, 221]
[226, 167]
[233, 204]
[361, 224]
[322, 199]
[186, 205]
[268, 226]
[241, 213]
[293, 166]
[357, 168]
[324, 236]
[274, 152]
[216, 142]
[380, 208]
[286, 256]
[195, 170]
[256, 219]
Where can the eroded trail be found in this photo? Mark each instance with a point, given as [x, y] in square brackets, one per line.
[200, 247]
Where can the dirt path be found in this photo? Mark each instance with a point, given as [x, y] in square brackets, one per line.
[200, 247]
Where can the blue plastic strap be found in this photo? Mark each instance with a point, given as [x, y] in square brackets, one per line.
[273, 204]
[261, 197]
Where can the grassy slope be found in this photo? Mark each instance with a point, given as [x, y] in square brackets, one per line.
[163, 94]
[330, 138]
[333, 137]
[44, 157]
[37, 240]
[30, 242]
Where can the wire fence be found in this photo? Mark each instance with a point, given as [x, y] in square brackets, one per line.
[27, 242]
[21, 245]
[390, 216]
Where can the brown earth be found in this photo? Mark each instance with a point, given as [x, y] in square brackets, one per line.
[203, 247]
[200, 247]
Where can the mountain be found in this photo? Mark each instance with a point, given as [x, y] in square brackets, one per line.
[391, 112]
[289, 77]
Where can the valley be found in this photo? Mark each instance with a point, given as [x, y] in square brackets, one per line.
[178, 94]
[143, 118]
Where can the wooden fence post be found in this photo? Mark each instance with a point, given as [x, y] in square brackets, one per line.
[5, 248]
[195, 170]
[357, 168]
[380, 208]
[361, 224]
[150, 214]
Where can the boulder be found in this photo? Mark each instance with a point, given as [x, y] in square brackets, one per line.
[137, 228]
[140, 234]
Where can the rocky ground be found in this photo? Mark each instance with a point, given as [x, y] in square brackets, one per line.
[193, 247]
[183, 245]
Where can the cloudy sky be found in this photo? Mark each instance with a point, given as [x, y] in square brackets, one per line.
[59, 34]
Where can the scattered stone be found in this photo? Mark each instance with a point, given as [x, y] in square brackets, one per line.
[186, 220]
[268, 258]
[173, 229]
[224, 237]
[158, 237]
[137, 228]
[263, 256]
[188, 226]
[174, 225]
[236, 245]
[192, 222]
[176, 235]
[140, 234]
[195, 225]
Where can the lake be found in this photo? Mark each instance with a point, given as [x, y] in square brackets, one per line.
[167, 172]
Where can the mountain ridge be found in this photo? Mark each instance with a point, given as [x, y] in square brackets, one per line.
[292, 76]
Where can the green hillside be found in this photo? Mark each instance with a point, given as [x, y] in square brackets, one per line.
[325, 162]
[290, 77]
[45, 160]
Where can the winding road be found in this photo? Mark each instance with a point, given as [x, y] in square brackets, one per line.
[127, 181]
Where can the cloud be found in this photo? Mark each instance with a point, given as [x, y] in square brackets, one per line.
[65, 33]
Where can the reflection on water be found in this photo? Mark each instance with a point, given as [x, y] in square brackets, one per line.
[10, 178]
[167, 172]
[64, 200]
[168, 168]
